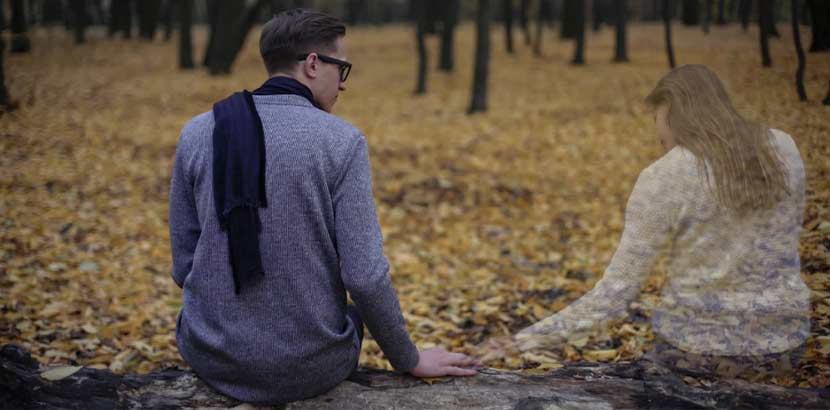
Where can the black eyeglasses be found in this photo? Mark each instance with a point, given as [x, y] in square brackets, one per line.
[345, 66]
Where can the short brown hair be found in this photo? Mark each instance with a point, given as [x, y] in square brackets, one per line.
[296, 32]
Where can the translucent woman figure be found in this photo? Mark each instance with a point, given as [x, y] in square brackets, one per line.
[727, 198]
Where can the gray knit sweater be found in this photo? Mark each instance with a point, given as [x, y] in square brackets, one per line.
[286, 337]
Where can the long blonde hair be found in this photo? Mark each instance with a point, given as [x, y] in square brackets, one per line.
[738, 153]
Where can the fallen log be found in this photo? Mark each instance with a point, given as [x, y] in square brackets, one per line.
[625, 385]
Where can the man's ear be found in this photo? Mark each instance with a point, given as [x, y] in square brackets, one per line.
[310, 65]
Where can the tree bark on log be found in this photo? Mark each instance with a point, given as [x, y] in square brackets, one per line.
[640, 385]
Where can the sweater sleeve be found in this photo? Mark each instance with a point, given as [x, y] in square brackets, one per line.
[648, 218]
[184, 221]
[363, 267]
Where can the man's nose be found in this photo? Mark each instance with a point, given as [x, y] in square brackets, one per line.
[342, 86]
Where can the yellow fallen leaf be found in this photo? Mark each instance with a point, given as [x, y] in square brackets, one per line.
[600, 355]
[824, 345]
[532, 357]
[59, 373]
[433, 380]
[53, 309]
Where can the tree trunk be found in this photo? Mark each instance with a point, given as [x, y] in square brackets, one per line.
[20, 37]
[213, 9]
[524, 9]
[623, 385]
[420, 34]
[542, 17]
[114, 12]
[449, 19]
[620, 49]
[2, 27]
[125, 18]
[668, 6]
[52, 12]
[763, 24]
[745, 10]
[598, 14]
[820, 19]
[5, 100]
[185, 39]
[647, 10]
[721, 13]
[707, 15]
[231, 29]
[799, 50]
[507, 10]
[579, 44]
[355, 11]
[167, 16]
[569, 19]
[79, 20]
[148, 18]
[691, 13]
[100, 16]
[772, 21]
[478, 103]
[31, 13]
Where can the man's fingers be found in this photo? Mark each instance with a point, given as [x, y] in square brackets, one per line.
[457, 371]
[467, 361]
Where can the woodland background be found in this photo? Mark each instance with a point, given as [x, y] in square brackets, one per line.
[491, 221]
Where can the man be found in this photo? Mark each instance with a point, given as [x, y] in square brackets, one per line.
[272, 220]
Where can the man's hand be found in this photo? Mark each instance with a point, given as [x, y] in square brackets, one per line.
[438, 362]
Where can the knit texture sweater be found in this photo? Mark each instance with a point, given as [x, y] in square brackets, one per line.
[733, 285]
[286, 336]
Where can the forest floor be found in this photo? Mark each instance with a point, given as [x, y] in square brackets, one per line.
[491, 221]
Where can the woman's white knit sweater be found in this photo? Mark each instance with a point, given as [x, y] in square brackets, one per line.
[733, 284]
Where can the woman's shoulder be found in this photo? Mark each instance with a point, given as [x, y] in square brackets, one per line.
[784, 140]
[676, 163]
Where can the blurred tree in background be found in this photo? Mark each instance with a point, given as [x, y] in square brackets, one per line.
[229, 24]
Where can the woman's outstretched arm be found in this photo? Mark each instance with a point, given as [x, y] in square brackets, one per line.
[649, 216]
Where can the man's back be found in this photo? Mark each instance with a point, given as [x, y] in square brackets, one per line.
[285, 336]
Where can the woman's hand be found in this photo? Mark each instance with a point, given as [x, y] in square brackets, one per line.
[497, 348]
[438, 362]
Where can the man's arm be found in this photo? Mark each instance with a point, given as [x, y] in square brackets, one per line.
[184, 219]
[365, 273]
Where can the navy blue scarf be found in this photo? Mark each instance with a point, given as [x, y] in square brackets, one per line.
[239, 173]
